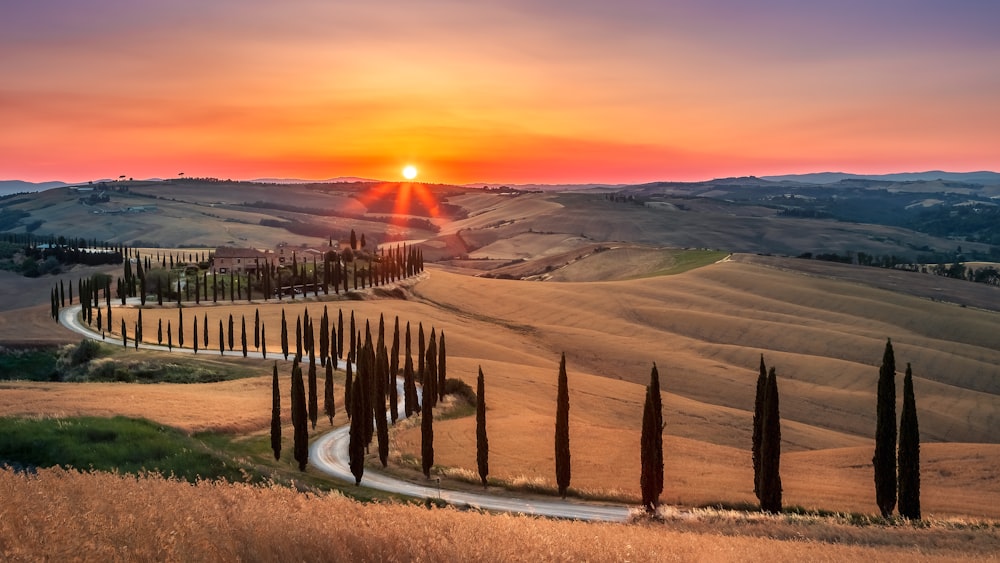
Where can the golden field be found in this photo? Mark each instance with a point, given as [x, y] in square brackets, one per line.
[60, 515]
[705, 329]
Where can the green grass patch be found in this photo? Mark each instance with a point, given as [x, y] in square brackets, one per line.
[119, 444]
[91, 361]
[685, 260]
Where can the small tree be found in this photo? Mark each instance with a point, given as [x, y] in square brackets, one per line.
[159, 332]
[909, 452]
[482, 440]
[232, 337]
[243, 334]
[651, 479]
[329, 408]
[770, 449]
[884, 460]
[758, 424]
[275, 415]
[299, 417]
[562, 430]
[313, 391]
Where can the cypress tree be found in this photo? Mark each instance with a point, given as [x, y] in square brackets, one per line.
[356, 447]
[275, 415]
[909, 452]
[194, 329]
[298, 338]
[284, 334]
[770, 449]
[426, 436]
[442, 363]
[333, 346]
[299, 417]
[352, 353]
[758, 422]
[420, 359]
[482, 440]
[232, 337]
[394, 373]
[204, 329]
[170, 338]
[313, 392]
[256, 328]
[263, 343]
[243, 334]
[138, 327]
[562, 431]
[381, 425]
[349, 391]
[324, 337]
[124, 333]
[410, 403]
[430, 371]
[159, 331]
[100, 325]
[180, 327]
[651, 479]
[329, 408]
[222, 339]
[884, 460]
[340, 333]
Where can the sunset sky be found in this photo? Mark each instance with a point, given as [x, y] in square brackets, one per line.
[514, 91]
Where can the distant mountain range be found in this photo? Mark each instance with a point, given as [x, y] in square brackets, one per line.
[983, 177]
[8, 187]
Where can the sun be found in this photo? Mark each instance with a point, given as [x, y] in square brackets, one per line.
[409, 172]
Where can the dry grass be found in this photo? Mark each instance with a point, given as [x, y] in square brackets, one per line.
[60, 515]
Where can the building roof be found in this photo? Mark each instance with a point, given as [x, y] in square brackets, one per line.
[232, 252]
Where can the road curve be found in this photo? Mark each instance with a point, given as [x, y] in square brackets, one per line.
[329, 454]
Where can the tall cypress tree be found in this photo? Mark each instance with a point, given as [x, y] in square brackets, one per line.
[909, 452]
[180, 327]
[222, 339]
[170, 338]
[426, 436]
[275, 415]
[420, 359]
[562, 430]
[394, 373]
[430, 370]
[482, 440]
[313, 391]
[243, 334]
[324, 337]
[381, 377]
[298, 338]
[340, 333]
[263, 343]
[329, 408]
[884, 460]
[159, 331]
[284, 334]
[758, 424]
[770, 449]
[410, 403]
[356, 447]
[651, 479]
[333, 346]
[204, 329]
[256, 328]
[300, 415]
[232, 337]
[194, 329]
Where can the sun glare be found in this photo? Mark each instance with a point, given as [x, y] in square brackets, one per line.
[409, 172]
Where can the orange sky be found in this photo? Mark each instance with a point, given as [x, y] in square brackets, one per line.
[514, 91]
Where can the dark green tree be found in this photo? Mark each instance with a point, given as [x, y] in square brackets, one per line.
[356, 447]
[243, 334]
[263, 343]
[300, 422]
[170, 338]
[562, 431]
[324, 337]
[410, 403]
[340, 333]
[758, 424]
[313, 391]
[194, 329]
[298, 338]
[482, 440]
[349, 390]
[180, 327]
[394, 373]
[329, 408]
[420, 360]
[275, 415]
[204, 328]
[159, 331]
[909, 452]
[222, 339]
[884, 460]
[284, 334]
[232, 337]
[426, 436]
[651, 478]
[256, 328]
[770, 449]
[430, 370]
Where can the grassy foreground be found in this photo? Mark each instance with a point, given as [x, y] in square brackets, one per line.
[59, 515]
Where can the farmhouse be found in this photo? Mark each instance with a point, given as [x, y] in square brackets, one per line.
[228, 258]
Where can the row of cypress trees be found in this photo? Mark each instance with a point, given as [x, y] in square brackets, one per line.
[897, 471]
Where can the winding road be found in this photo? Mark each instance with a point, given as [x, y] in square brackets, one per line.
[329, 454]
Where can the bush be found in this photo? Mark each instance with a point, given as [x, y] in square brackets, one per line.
[460, 390]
